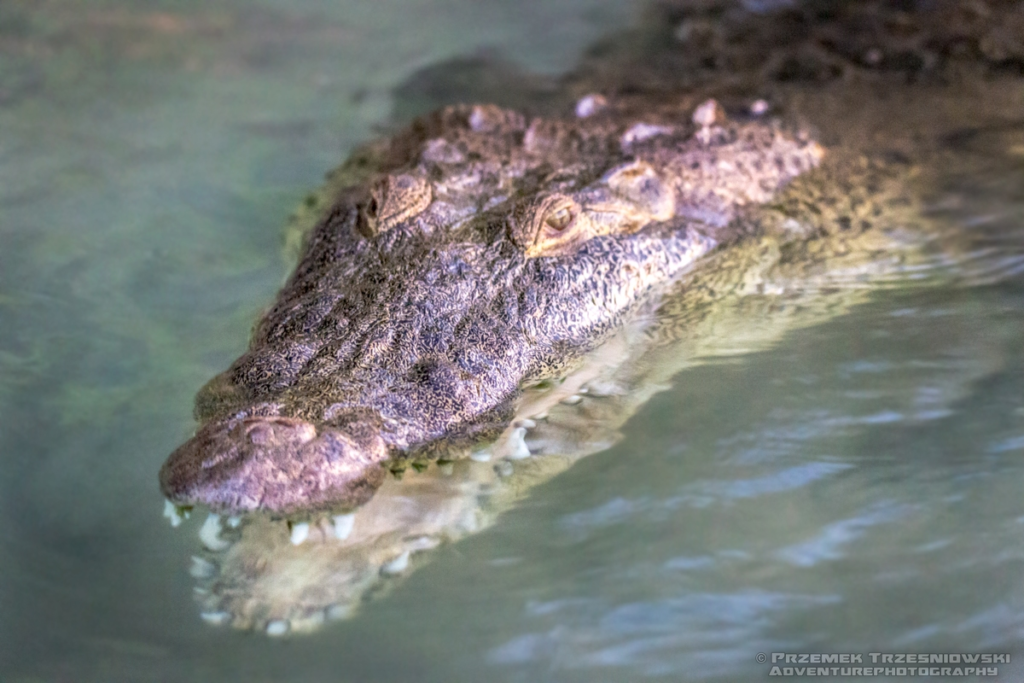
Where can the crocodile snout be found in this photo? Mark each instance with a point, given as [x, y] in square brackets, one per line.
[278, 464]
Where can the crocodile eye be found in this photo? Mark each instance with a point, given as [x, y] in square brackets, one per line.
[551, 225]
[560, 219]
[371, 208]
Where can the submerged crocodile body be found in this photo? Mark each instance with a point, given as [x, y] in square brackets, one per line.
[491, 285]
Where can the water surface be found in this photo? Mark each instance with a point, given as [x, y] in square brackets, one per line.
[855, 489]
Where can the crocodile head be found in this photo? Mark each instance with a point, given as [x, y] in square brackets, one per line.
[486, 252]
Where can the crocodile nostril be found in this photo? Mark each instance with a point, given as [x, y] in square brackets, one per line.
[260, 433]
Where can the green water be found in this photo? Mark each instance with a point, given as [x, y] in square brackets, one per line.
[855, 489]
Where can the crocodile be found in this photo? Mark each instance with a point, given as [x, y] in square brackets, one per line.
[494, 285]
[489, 254]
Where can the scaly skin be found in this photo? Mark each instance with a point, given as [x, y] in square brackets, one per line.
[489, 253]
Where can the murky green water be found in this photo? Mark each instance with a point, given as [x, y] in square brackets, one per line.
[856, 489]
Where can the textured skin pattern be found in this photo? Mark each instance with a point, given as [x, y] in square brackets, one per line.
[484, 252]
[908, 103]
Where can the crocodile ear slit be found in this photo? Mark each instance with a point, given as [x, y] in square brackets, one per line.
[393, 200]
[639, 183]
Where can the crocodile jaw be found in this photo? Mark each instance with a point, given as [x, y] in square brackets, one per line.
[276, 464]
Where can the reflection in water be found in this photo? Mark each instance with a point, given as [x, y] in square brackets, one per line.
[285, 577]
[265, 580]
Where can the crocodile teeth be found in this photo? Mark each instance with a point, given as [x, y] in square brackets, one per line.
[234, 521]
[422, 543]
[517, 449]
[572, 400]
[300, 532]
[527, 424]
[278, 627]
[468, 523]
[338, 612]
[175, 513]
[209, 534]
[201, 568]
[397, 565]
[482, 455]
[343, 525]
[216, 618]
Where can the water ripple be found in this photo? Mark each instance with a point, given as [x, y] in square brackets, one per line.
[831, 541]
[710, 632]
